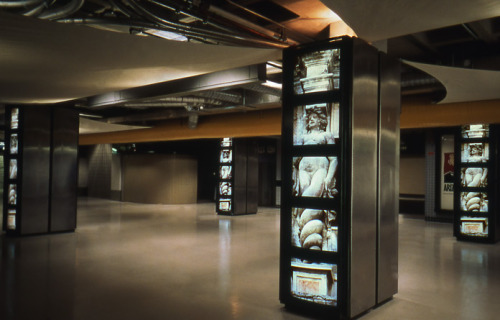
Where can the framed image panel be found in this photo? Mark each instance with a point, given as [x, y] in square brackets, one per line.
[14, 118]
[226, 156]
[13, 169]
[475, 152]
[12, 200]
[225, 189]
[315, 229]
[474, 177]
[474, 201]
[314, 282]
[316, 124]
[11, 219]
[226, 142]
[475, 131]
[14, 143]
[226, 172]
[474, 226]
[315, 177]
[225, 205]
[317, 71]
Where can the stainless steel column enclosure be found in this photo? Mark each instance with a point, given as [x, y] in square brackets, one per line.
[41, 175]
[340, 136]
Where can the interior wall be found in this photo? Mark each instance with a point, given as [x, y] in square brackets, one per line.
[99, 173]
[155, 178]
[412, 175]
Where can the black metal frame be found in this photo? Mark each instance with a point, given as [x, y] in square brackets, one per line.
[491, 189]
[342, 151]
[231, 180]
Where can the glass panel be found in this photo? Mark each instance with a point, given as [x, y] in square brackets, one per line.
[317, 71]
[475, 131]
[314, 229]
[13, 169]
[226, 156]
[475, 152]
[13, 143]
[474, 201]
[474, 226]
[316, 124]
[14, 120]
[225, 205]
[315, 177]
[225, 189]
[12, 194]
[315, 282]
[226, 172]
[474, 177]
[226, 142]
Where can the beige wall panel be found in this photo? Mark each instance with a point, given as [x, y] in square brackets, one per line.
[166, 179]
[412, 175]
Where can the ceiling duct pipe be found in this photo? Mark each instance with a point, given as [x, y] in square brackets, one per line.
[61, 12]
[19, 3]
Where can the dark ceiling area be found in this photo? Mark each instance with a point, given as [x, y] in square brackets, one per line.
[247, 23]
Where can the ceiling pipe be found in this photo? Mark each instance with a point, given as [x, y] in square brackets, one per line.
[61, 12]
[18, 3]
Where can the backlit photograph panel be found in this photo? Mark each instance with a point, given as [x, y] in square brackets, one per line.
[315, 229]
[314, 282]
[317, 71]
[475, 131]
[11, 219]
[474, 226]
[13, 169]
[14, 143]
[14, 120]
[474, 177]
[474, 201]
[315, 177]
[226, 172]
[226, 142]
[12, 194]
[316, 124]
[225, 205]
[225, 188]
[475, 152]
[226, 156]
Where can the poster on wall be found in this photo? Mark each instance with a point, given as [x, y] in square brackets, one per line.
[12, 200]
[315, 177]
[225, 205]
[315, 229]
[14, 143]
[317, 71]
[225, 189]
[11, 219]
[314, 282]
[316, 124]
[447, 171]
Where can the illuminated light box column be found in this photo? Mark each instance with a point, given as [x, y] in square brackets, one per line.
[339, 171]
[41, 171]
[237, 189]
[476, 204]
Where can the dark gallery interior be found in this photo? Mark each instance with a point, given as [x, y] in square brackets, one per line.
[249, 159]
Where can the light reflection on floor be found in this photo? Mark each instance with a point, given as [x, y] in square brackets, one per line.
[131, 261]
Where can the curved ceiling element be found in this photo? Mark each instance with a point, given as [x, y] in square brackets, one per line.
[463, 85]
[48, 62]
[88, 126]
[384, 19]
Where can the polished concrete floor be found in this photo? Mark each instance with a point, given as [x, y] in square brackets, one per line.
[130, 261]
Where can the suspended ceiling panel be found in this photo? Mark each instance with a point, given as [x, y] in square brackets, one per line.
[47, 62]
[463, 85]
[384, 19]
